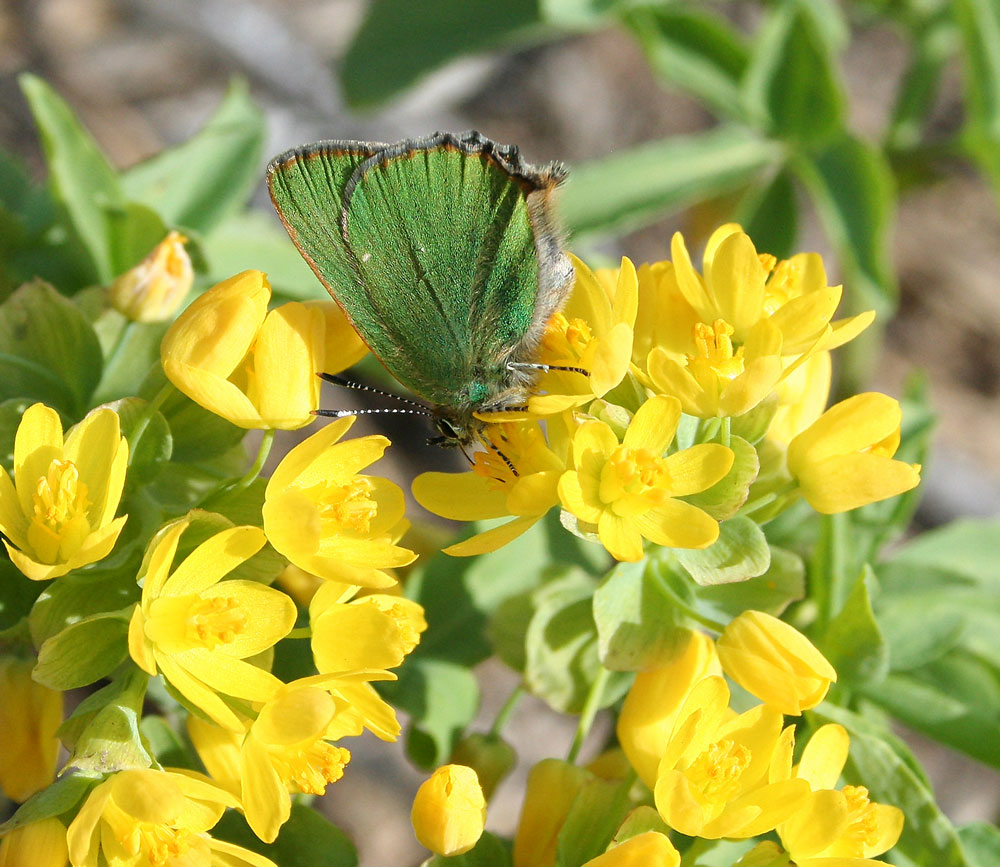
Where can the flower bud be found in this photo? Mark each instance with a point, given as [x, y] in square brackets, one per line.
[491, 757]
[36, 844]
[449, 811]
[29, 716]
[640, 851]
[775, 662]
[154, 289]
[656, 696]
[552, 787]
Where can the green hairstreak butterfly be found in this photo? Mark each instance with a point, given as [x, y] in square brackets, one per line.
[444, 255]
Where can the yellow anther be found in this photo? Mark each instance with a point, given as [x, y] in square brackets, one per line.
[349, 506]
[714, 349]
[216, 620]
[717, 771]
[311, 769]
[862, 820]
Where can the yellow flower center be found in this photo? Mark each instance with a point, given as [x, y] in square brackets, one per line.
[635, 472]
[349, 506]
[717, 771]
[311, 769]
[407, 632]
[783, 284]
[214, 621]
[714, 351]
[565, 340]
[862, 821]
[160, 844]
[510, 457]
[59, 524]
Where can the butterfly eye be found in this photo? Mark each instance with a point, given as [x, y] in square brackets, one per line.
[447, 429]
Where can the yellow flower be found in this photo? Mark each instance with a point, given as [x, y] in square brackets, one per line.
[449, 811]
[29, 716]
[656, 697]
[375, 631]
[775, 662]
[756, 319]
[285, 749]
[154, 289]
[254, 368]
[59, 512]
[802, 397]
[844, 459]
[552, 787]
[198, 629]
[643, 850]
[517, 476]
[832, 824]
[36, 844]
[713, 779]
[594, 333]
[330, 521]
[629, 491]
[157, 818]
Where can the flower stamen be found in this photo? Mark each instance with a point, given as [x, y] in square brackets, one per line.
[59, 523]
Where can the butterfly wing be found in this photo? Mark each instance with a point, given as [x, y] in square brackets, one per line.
[438, 250]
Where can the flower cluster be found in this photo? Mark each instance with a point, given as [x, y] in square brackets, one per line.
[653, 375]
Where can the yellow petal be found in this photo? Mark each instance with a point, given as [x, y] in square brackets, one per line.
[216, 394]
[82, 835]
[838, 484]
[801, 320]
[98, 544]
[461, 496]
[819, 821]
[620, 536]
[298, 460]
[853, 424]
[625, 304]
[270, 616]
[670, 378]
[611, 359]
[37, 443]
[342, 347]
[534, 494]
[266, 803]
[589, 300]
[283, 383]
[697, 468]
[824, 757]
[736, 280]
[13, 522]
[491, 540]
[676, 524]
[845, 330]
[161, 559]
[351, 637]
[139, 648]
[654, 425]
[96, 445]
[689, 281]
[198, 694]
[213, 559]
[593, 439]
[227, 675]
[297, 714]
[32, 569]
[644, 850]
[449, 810]
[586, 505]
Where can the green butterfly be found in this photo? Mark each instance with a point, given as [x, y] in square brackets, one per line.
[443, 254]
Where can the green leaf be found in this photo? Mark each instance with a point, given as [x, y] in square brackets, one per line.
[134, 230]
[17, 594]
[130, 350]
[111, 742]
[488, 852]
[695, 50]
[211, 175]
[308, 837]
[916, 631]
[441, 699]
[83, 652]
[981, 842]
[155, 445]
[79, 594]
[979, 21]
[852, 189]
[166, 744]
[54, 800]
[853, 642]
[48, 350]
[783, 583]
[80, 175]
[726, 496]
[637, 186]
[598, 810]
[561, 644]
[740, 552]
[638, 624]
[399, 43]
[769, 215]
[928, 837]
[791, 86]
[639, 821]
[257, 240]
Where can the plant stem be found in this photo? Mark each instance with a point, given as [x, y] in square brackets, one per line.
[696, 616]
[505, 712]
[726, 432]
[144, 419]
[250, 477]
[588, 713]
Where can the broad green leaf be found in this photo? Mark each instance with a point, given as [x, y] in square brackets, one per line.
[399, 43]
[135, 230]
[979, 21]
[696, 51]
[782, 583]
[928, 837]
[155, 445]
[83, 652]
[54, 800]
[726, 496]
[211, 175]
[769, 215]
[126, 689]
[255, 240]
[508, 629]
[740, 552]
[81, 177]
[441, 699]
[48, 350]
[308, 837]
[791, 87]
[852, 189]
[79, 594]
[637, 622]
[130, 350]
[488, 852]
[17, 594]
[634, 187]
[981, 842]
[598, 810]
[968, 549]
[916, 630]
[853, 642]
[639, 821]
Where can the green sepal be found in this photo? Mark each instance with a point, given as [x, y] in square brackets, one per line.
[48, 350]
[752, 425]
[127, 688]
[740, 552]
[134, 231]
[84, 652]
[726, 496]
[638, 624]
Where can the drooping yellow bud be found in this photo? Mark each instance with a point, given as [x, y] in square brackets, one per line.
[154, 289]
[449, 810]
[37, 844]
[29, 716]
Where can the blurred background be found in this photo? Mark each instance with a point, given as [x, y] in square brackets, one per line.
[866, 131]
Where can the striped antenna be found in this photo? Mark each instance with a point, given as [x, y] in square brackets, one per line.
[357, 386]
[545, 368]
[340, 413]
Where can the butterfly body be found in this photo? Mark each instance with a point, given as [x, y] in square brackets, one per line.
[443, 254]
